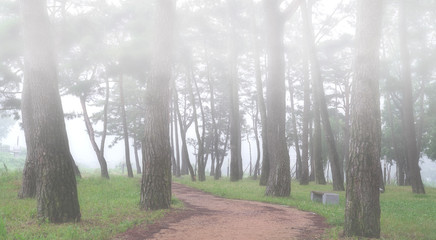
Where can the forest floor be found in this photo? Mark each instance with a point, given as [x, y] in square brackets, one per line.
[205, 216]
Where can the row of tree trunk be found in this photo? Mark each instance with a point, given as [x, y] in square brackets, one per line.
[49, 172]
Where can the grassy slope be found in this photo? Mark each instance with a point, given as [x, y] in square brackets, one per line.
[108, 207]
[404, 215]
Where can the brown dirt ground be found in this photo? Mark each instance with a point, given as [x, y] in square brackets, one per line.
[208, 217]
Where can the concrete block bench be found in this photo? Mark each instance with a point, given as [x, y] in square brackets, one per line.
[324, 197]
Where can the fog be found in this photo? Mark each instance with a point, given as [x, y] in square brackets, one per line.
[219, 51]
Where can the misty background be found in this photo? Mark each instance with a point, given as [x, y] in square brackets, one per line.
[204, 29]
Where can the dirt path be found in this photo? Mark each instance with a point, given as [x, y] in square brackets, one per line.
[210, 217]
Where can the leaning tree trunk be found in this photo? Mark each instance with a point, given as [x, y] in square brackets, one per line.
[56, 190]
[362, 209]
[412, 152]
[156, 176]
[279, 181]
[91, 134]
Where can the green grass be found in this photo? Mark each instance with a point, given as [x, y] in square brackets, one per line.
[404, 215]
[11, 162]
[108, 207]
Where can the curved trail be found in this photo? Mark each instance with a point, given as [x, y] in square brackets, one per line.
[210, 217]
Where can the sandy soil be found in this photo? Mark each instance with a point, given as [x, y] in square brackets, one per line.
[209, 217]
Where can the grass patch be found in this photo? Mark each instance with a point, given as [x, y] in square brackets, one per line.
[404, 215]
[108, 207]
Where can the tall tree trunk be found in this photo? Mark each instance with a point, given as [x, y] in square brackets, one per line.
[135, 149]
[362, 208]
[346, 144]
[56, 190]
[316, 139]
[173, 156]
[185, 159]
[256, 138]
[319, 97]
[421, 117]
[298, 169]
[156, 177]
[203, 158]
[105, 118]
[304, 180]
[394, 144]
[186, 163]
[261, 106]
[176, 129]
[125, 129]
[91, 134]
[236, 170]
[200, 137]
[220, 161]
[215, 138]
[279, 181]
[317, 146]
[412, 152]
[311, 150]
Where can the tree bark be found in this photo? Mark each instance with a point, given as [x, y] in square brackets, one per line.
[43, 120]
[156, 176]
[362, 209]
[125, 129]
[412, 152]
[279, 181]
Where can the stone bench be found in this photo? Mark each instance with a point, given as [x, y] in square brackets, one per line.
[324, 197]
